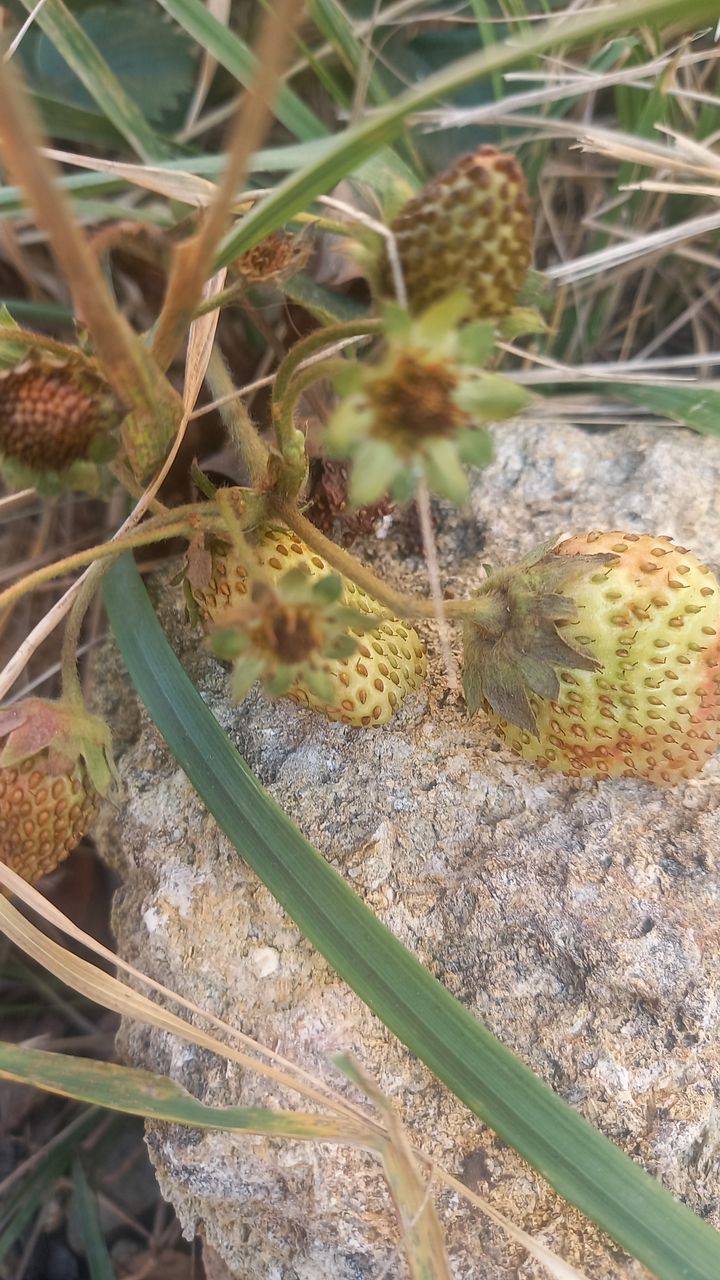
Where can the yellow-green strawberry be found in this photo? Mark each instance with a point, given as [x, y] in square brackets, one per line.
[646, 630]
[55, 763]
[468, 228]
[366, 687]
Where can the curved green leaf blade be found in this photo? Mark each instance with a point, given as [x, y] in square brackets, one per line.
[582, 1165]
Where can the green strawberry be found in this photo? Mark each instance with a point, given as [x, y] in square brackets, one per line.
[368, 686]
[469, 228]
[639, 692]
[54, 765]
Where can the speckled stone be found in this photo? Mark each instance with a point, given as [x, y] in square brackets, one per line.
[580, 921]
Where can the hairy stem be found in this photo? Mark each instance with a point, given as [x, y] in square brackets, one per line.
[324, 337]
[422, 503]
[290, 384]
[71, 687]
[399, 602]
[252, 449]
[157, 530]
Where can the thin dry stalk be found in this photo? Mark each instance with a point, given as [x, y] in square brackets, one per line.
[193, 261]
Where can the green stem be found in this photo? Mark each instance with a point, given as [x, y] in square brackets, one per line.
[289, 385]
[71, 687]
[401, 604]
[156, 530]
[252, 449]
[324, 337]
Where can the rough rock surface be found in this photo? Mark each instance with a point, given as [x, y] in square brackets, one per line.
[581, 922]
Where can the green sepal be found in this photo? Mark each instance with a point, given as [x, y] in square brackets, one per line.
[375, 463]
[444, 471]
[514, 645]
[343, 647]
[12, 351]
[279, 681]
[490, 397]
[522, 322]
[329, 589]
[296, 586]
[229, 644]
[397, 322]
[404, 485]
[441, 320]
[475, 446]
[320, 684]
[348, 379]
[351, 421]
[245, 674]
[476, 343]
[537, 292]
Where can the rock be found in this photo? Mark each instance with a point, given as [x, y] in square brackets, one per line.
[579, 921]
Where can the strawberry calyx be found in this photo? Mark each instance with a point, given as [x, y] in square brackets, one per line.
[514, 645]
[288, 631]
[417, 413]
[64, 733]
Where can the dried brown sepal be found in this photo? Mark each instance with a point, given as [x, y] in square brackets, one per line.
[514, 648]
[330, 508]
[279, 256]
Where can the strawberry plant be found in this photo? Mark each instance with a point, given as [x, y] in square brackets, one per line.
[596, 655]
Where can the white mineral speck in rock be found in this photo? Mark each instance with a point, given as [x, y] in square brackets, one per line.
[264, 961]
[151, 919]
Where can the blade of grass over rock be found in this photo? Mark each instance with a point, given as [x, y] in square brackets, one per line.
[350, 149]
[582, 1165]
[64, 31]
[144, 1093]
[235, 56]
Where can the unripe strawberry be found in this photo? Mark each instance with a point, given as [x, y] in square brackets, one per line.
[469, 228]
[51, 410]
[368, 686]
[650, 619]
[54, 765]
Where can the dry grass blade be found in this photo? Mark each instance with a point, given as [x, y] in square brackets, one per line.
[193, 260]
[108, 991]
[417, 1216]
[200, 344]
[593, 264]
[175, 184]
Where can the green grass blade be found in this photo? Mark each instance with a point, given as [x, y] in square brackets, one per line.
[88, 1219]
[143, 1093]
[233, 54]
[350, 149]
[35, 1187]
[65, 32]
[581, 1164]
[694, 406]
